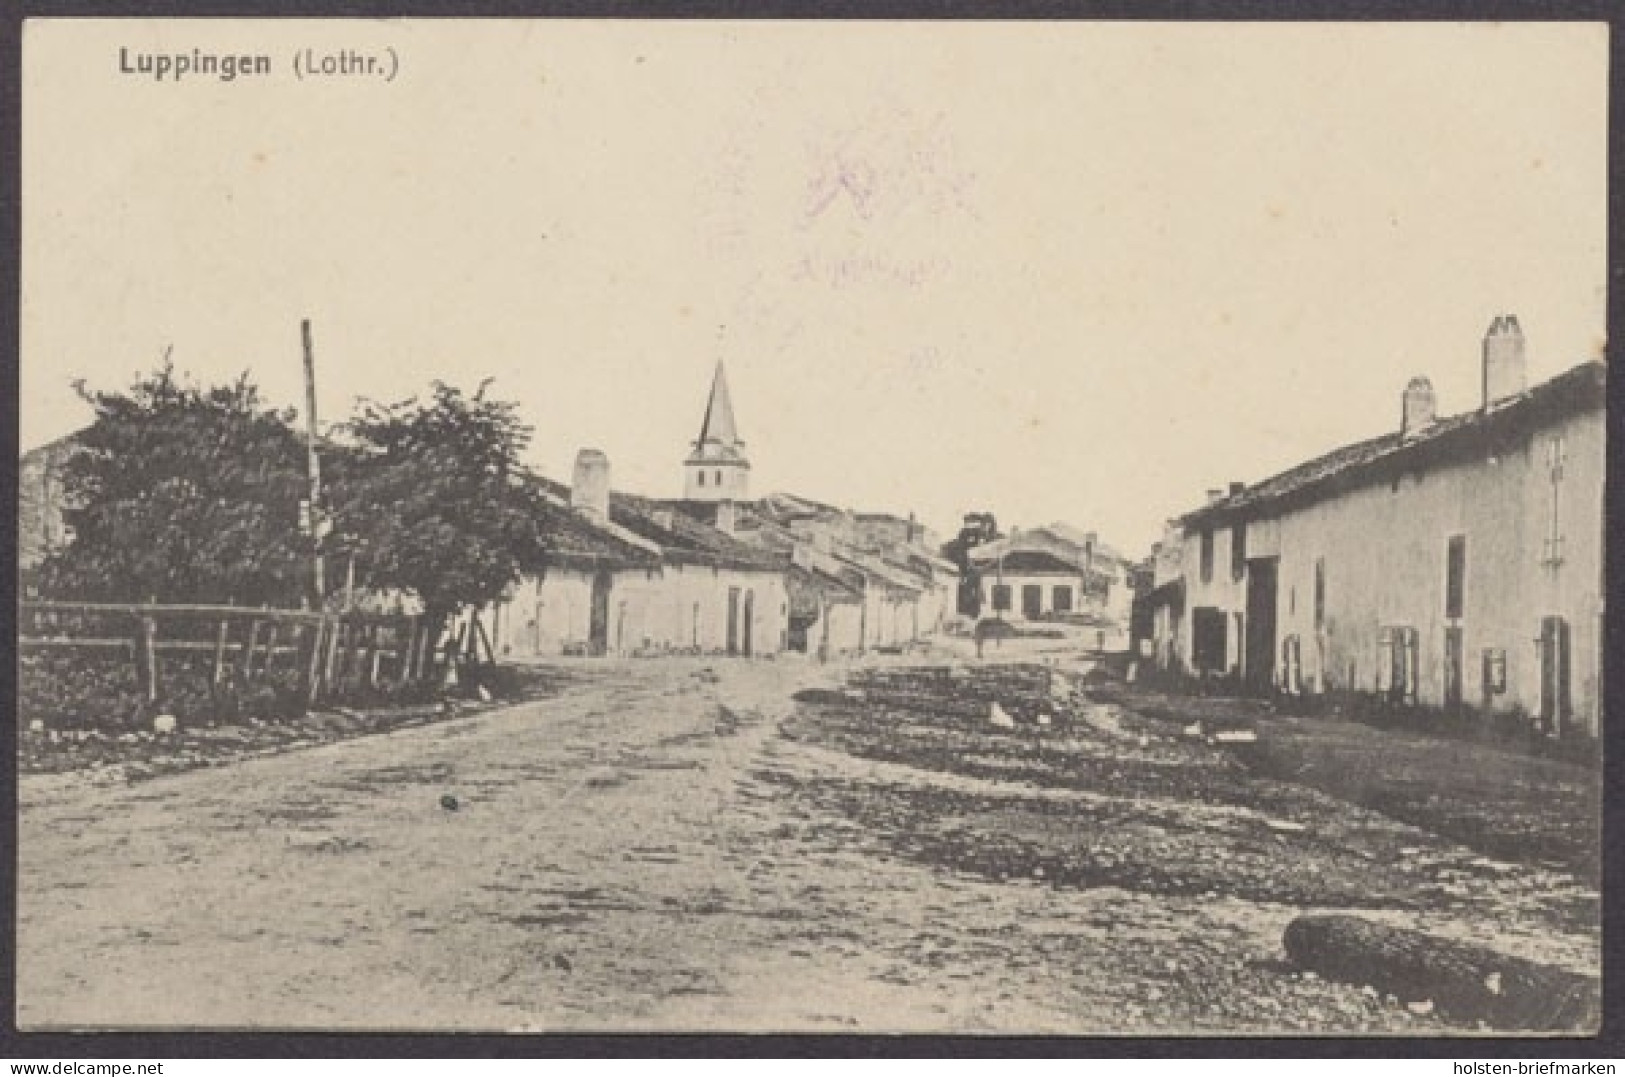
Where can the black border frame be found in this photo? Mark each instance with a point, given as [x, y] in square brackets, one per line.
[1609, 1043]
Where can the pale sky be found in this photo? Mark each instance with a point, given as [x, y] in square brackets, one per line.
[1078, 271]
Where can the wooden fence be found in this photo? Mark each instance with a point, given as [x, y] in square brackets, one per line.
[325, 648]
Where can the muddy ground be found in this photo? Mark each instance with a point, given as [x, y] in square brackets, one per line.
[682, 845]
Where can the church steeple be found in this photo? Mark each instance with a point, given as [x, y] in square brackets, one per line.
[717, 469]
[719, 413]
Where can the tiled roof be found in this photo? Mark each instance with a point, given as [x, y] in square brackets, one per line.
[681, 538]
[577, 542]
[1453, 437]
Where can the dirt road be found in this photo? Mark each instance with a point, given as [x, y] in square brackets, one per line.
[652, 850]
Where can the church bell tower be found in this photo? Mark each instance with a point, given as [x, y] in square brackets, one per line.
[716, 469]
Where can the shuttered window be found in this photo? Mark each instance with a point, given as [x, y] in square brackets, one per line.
[1455, 575]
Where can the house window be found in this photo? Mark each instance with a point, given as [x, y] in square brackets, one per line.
[1495, 672]
[1455, 575]
[719, 476]
[1397, 664]
[1320, 593]
[1207, 556]
[1291, 665]
[1061, 600]
[1238, 551]
[1001, 597]
[1552, 545]
[702, 478]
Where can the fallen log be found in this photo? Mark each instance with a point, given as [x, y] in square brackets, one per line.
[1465, 983]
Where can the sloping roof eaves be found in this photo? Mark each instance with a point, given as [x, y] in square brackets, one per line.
[1032, 562]
[577, 542]
[685, 540]
[888, 575]
[1381, 458]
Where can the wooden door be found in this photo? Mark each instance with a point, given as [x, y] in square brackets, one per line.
[1258, 660]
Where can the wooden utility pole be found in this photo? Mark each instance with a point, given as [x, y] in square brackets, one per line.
[314, 469]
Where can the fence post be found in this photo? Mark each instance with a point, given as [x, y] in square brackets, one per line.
[248, 653]
[313, 674]
[270, 649]
[220, 652]
[149, 657]
[336, 628]
[407, 650]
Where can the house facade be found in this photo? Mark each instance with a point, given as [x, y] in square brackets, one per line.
[634, 576]
[1456, 562]
[1027, 585]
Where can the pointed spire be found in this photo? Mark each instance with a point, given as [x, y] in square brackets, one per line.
[719, 413]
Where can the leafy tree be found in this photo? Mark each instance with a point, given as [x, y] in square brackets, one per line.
[434, 500]
[978, 528]
[182, 493]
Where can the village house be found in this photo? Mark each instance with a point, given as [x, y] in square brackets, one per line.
[714, 571]
[856, 581]
[1057, 572]
[1164, 600]
[860, 588]
[629, 575]
[1455, 562]
[41, 530]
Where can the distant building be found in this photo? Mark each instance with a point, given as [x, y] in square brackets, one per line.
[40, 502]
[1031, 584]
[1453, 562]
[1074, 575]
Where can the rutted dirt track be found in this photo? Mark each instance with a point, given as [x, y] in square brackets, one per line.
[676, 845]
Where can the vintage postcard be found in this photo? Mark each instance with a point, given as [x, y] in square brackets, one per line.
[983, 527]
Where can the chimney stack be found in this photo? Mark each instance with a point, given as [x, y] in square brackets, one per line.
[589, 491]
[1504, 366]
[726, 518]
[1236, 488]
[1215, 496]
[1418, 407]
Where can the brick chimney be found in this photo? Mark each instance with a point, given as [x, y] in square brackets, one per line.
[1236, 488]
[727, 517]
[1215, 496]
[1418, 406]
[589, 490]
[1504, 366]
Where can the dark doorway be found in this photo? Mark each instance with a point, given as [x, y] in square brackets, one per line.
[598, 618]
[748, 620]
[733, 620]
[800, 631]
[1452, 667]
[1207, 639]
[1259, 661]
[1032, 601]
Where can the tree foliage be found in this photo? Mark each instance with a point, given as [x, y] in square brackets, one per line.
[182, 493]
[979, 528]
[433, 497]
